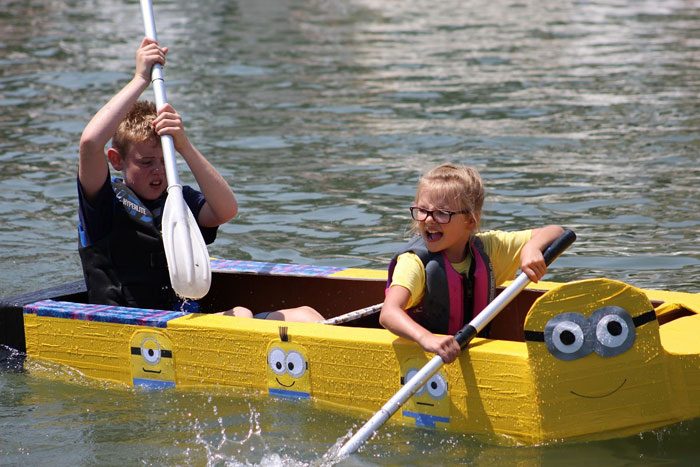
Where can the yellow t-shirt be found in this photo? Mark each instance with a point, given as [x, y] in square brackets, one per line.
[502, 248]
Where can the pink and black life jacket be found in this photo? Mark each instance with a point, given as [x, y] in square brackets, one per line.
[451, 299]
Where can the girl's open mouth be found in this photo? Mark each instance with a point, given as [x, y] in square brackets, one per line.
[433, 236]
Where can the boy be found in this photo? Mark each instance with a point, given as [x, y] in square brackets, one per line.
[121, 249]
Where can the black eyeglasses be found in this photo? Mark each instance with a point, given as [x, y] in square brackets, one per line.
[438, 215]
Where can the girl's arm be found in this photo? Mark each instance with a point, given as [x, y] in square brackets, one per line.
[531, 258]
[395, 319]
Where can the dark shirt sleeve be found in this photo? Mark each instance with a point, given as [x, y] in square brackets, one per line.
[195, 200]
[95, 218]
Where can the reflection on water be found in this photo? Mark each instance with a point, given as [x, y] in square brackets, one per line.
[322, 114]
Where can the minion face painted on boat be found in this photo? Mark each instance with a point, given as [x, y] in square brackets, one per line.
[152, 363]
[288, 369]
[596, 355]
[430, 405]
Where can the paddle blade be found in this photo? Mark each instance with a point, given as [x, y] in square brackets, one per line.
[185, 250]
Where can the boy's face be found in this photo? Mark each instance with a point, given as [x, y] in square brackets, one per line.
[144, 170]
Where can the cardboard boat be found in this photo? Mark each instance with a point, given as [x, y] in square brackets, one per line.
[590, 359]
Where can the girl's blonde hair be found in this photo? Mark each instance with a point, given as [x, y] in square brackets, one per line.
[136, 127]
[459, 187]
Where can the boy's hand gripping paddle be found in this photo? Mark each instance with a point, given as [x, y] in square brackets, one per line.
[185, 250]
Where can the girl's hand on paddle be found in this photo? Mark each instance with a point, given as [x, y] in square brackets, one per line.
[532, 263]
[148, 54]
[169, 122]
[444, 346]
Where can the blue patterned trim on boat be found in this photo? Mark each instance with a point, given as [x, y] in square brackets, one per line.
[425, 420]
[287, 394]
[103, 313]
[273, 269]
[150, 384]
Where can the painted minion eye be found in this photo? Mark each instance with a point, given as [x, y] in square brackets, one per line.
[296, 366]
[410, 374]
[614, 331]
[276, 359]
[150, 353]
[437, 386]
[565, 336]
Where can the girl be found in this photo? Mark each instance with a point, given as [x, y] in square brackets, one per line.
[448, 273]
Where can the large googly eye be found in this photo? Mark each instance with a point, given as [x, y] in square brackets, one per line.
[437, 387]
[409, 375]
[150, 351]
[614, 331]
[276, 360]
[565, 336]
[296, 366]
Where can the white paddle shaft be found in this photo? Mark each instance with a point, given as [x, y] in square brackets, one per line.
[185, 249]
[353, 315]
[158, 82]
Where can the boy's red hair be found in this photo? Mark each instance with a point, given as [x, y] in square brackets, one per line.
[136, 127]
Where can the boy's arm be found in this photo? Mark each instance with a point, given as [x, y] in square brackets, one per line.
[221, 205]
[531, 259]
[92, 164]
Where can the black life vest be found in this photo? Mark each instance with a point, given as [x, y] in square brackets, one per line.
[128, 267]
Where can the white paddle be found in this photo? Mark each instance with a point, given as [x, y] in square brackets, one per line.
[353, 315]
[185, 250]
[463, 337]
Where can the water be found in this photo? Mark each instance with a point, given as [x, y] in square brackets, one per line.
[322, 114]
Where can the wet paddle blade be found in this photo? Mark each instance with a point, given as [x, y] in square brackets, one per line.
[185, 250]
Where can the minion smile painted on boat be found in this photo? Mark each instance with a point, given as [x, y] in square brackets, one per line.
[430, 404]
[152, 363]
[595, 348]
[287, 369]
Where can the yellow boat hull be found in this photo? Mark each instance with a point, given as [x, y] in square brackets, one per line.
[513, 390]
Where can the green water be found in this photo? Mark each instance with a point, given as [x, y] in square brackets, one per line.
[322, 114]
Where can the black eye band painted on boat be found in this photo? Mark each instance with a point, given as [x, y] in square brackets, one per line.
[534, 336]
[163, 353]
[644, 318]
